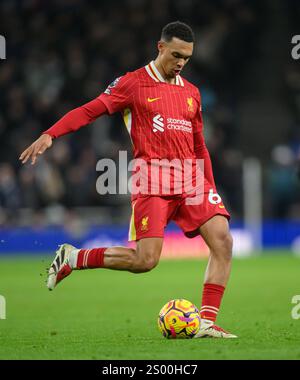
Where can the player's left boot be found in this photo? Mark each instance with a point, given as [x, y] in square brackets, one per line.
[60, 267]
[209, 330]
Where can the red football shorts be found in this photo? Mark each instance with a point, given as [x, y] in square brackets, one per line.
[151, 214]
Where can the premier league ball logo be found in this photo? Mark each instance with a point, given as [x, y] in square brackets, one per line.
[111, 86]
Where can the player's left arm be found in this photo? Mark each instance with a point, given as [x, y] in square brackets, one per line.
[200, 147]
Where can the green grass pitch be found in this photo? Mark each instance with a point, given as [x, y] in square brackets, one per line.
[103, 314]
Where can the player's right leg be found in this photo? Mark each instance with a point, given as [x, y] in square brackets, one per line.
[150, 215]
[60, 266]
[142, 259]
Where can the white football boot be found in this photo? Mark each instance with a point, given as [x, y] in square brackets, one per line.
[60, 267]
[209, 330]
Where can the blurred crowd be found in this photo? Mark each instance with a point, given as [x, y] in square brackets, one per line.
[63, 53]
[283, 179]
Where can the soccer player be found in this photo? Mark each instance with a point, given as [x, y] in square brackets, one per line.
[162, 113]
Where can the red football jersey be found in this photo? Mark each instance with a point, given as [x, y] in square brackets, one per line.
[163, 120]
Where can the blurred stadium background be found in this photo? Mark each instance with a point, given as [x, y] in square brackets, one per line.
[61, 54]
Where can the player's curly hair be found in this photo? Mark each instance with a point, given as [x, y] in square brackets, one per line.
[179, 30]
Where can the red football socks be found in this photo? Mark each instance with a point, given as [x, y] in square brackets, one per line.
[211, 300]
[90, 258]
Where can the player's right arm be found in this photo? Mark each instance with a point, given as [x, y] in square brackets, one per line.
[116, 97]
[37, 147]
[71, 122]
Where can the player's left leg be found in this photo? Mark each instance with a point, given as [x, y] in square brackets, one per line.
[216, 234]
[212, 217]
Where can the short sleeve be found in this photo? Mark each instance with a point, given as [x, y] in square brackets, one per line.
[119, 93]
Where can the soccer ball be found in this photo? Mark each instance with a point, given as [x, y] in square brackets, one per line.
[179, 319]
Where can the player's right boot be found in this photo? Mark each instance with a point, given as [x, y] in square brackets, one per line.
[60, 267]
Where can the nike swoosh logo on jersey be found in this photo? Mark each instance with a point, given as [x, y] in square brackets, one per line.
[150, 100]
